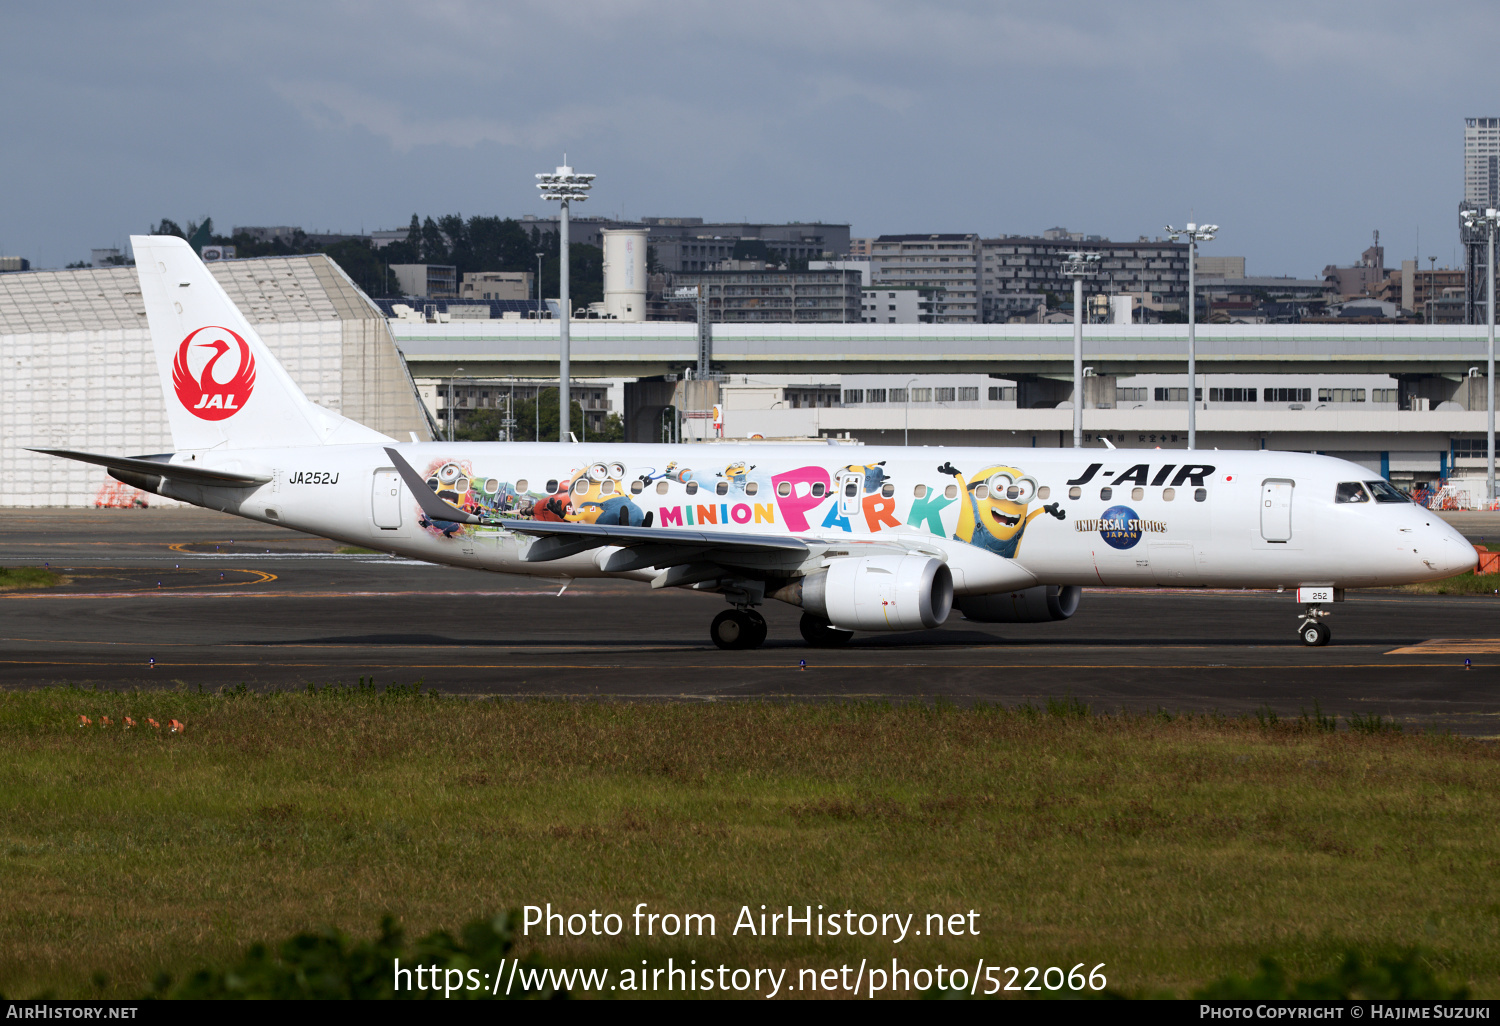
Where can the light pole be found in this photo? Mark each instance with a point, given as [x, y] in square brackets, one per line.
[1489, 221]
[906, 434]
[539, 286]
[1077, 266]
[452, 401]
[1195, 234]
[566, 187]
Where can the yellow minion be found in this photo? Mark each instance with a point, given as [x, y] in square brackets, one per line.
[995, 510]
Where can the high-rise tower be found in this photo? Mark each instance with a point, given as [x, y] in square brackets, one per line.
[1481, 191]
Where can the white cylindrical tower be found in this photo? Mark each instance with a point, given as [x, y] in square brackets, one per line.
[625, 273]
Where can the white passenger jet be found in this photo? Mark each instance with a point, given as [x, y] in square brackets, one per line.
[894, 542]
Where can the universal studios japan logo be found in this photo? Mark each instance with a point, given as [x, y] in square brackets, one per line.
[1120, 527]
[203, 394]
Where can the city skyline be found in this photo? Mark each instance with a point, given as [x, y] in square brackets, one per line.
[894, 119]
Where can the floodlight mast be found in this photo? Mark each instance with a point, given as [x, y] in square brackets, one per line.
[564, 186]
[1077, 266]
[1195, 233]
[1488, 221]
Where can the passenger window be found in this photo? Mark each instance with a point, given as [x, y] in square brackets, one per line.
[521, 485]
[461, 485]
[751, 487]
[580, 486]
[1013, 492]
[1168, 494]
[851, 489]
[692, 487]
[951, 492]
[661, 488]
[492, 485]
[1200, 494]
[1137, 494]
[919, 492]
[607, 488]
[981, 492]
[784, 489]
[1350, 491]
[637, 487]
[1106, 493]
[1044, 492]
[552, 486]
[1384, 491]
[722, 488]
[886, 490]
[1075, 492]
[819, 489]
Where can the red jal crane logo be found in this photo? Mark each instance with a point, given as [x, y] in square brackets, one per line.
[203, 394]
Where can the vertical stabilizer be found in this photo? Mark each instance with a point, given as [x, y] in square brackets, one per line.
[221, 385]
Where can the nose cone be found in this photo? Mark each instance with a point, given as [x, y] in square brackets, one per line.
[1457, 554]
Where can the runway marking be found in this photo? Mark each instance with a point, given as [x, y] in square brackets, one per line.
[168, 591]
[179, 594]
[750, 666]
[1451, 646]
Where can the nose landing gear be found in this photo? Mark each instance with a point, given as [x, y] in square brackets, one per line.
[1312, 630]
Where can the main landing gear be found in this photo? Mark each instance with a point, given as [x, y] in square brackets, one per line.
[819, 633]
[1312, 630]
[738, 628]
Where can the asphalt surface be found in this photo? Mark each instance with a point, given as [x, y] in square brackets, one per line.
[218, 601]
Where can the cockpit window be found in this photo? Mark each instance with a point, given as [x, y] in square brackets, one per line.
[1350, 491]
[1384, 491]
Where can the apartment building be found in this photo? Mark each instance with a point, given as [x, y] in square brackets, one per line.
[946, 261]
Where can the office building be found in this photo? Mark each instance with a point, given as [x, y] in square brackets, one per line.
[427, 281]
[497, 285]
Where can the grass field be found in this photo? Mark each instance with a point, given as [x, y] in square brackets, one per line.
[1175, 850]
[19, 578]
[1463, 584]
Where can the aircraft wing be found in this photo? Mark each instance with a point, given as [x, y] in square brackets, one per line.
[643, 546]
[154, 466]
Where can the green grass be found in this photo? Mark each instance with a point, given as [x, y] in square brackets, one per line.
[19, 578]
[356, 550]
[1177, 850]
[1463, 584]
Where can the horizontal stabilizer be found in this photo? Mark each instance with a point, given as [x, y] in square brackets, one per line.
[159, 467]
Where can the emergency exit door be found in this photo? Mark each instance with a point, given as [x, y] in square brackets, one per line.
[385, 500]
[1276, 510]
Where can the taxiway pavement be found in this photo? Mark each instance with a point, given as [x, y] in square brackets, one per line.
[165, 598]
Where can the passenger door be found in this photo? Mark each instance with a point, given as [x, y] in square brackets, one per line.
[850, 483]
[385, 500]
[1276, 510]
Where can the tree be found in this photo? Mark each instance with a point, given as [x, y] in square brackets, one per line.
[167, 227]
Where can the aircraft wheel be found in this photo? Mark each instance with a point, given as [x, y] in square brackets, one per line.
[758, 638]
[1314, 635]
[819, 633]
[733, 628]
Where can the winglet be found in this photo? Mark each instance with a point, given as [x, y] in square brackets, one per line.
[434, 507]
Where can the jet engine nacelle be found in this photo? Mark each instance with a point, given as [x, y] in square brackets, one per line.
[881, 593]
[1031, 605]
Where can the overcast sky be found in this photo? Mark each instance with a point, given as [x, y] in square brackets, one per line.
[1299, 127]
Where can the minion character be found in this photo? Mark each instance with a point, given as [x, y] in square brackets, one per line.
[452, 482]
[994, 513]
[737, 474]
[601, 496]
[875, 475]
